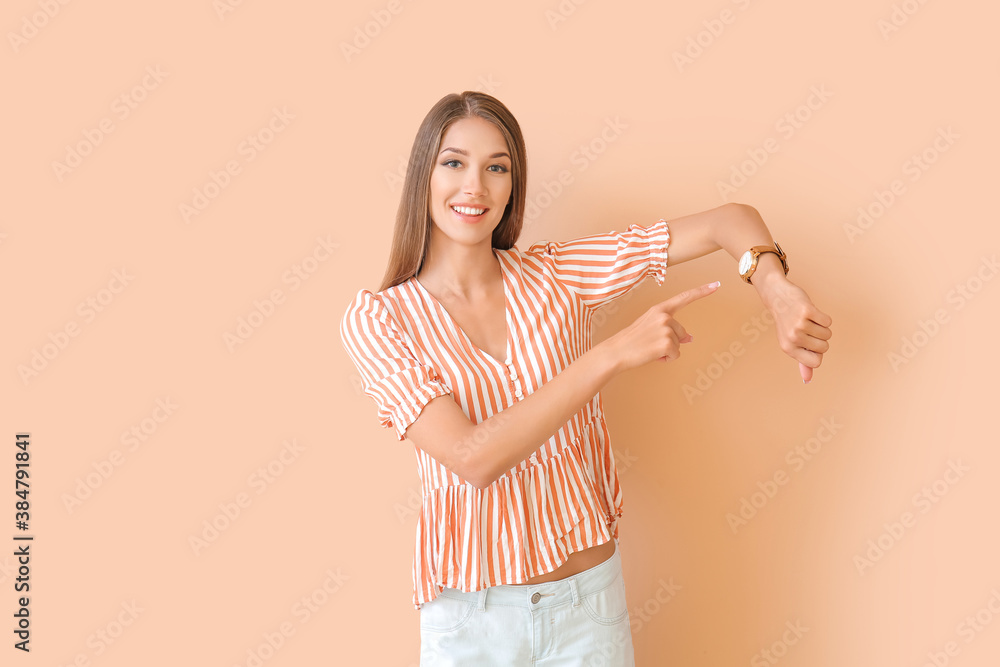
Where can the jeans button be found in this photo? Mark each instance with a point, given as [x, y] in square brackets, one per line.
[535, 598]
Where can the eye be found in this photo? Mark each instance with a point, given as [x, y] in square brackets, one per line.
[500, 168]
[448, 163]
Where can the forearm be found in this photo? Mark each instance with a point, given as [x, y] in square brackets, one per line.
[734, 228]
[513, 434]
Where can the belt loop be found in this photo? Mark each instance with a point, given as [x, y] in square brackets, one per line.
[482, 600]
[574, 590]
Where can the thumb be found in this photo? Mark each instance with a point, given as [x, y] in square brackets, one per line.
[805, 372]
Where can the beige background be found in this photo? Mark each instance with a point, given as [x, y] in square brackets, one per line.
[332, 524]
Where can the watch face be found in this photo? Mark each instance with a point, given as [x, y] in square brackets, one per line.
[745, 261]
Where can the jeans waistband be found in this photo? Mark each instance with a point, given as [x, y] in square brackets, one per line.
[548, 594]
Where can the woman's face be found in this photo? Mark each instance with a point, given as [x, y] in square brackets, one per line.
[470, 182]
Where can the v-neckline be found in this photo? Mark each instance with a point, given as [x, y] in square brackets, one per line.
[457, 327]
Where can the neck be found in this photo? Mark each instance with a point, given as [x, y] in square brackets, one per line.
[460, 271]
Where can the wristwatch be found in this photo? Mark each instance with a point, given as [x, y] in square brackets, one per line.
[748, 262]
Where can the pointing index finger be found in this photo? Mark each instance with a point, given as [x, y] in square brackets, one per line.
[675, 303]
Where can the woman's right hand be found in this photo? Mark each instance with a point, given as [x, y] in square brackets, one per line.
[656, 334]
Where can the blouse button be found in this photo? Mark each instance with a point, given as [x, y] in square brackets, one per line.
[513, 373]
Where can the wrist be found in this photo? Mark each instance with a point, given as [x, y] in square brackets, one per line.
[768, 266]
[768, 275]
[606, 362]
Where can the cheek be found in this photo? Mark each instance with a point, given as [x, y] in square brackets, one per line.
[441, 190]
[508, 193]
[440, 194]
[443, 181]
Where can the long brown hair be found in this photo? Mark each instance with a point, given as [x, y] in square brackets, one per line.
[412, 233]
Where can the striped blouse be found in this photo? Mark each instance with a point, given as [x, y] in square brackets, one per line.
[563, 498]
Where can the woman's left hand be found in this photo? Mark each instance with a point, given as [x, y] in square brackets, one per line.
[803, 329]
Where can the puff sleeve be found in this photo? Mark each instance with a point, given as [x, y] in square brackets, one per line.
[399, 383]
[602, 267]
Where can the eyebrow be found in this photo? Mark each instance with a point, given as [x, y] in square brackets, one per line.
[461, 152]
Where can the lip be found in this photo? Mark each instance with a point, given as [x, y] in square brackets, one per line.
[469, 218]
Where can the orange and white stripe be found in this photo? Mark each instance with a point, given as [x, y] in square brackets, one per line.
[566, 496]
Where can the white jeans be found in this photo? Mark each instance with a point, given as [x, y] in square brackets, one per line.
[581, 620]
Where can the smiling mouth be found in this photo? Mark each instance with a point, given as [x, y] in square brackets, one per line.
[469, 211]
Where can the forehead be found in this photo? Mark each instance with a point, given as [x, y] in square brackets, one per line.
[474, 134]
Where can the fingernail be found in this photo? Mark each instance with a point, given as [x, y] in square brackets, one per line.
[716, 283]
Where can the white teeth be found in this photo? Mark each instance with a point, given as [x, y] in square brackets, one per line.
[469, 211]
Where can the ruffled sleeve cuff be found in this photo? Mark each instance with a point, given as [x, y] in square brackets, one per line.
[658, 237]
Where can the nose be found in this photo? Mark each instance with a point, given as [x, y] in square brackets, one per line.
[473, 185]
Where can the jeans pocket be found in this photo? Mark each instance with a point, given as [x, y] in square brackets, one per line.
[445, 614]
[607, 606]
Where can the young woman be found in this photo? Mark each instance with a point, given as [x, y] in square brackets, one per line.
[480, 355]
